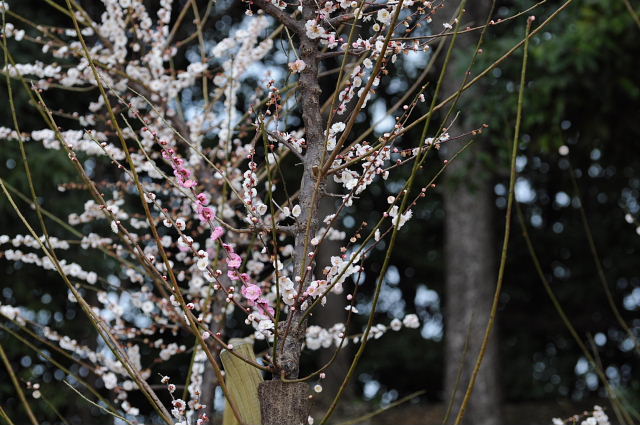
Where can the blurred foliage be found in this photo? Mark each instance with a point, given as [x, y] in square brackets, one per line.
[582, 91]
[578, 95]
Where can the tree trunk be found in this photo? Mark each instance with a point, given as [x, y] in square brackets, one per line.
[470, 253]
[470, 281]
[285, 403]
[289, 403]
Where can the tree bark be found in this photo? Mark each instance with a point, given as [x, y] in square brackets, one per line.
[289, 403]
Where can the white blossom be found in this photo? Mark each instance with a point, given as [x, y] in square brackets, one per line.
[384, 16]
[411, 321]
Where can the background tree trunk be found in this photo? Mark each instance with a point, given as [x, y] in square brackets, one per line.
[470, 281]
[470, 251]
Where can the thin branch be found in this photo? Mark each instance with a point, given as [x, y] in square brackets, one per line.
[282, 16]
[17, 386]
[281, 140]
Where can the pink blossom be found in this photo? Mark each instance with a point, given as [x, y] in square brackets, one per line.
[264, 307]
[189, 183]
[233, 275]
[245, 277]
[332, 41]
[206, 214]
[181, 172]
[203, 198]
[234, 261]
[251, 292]
[217, 232]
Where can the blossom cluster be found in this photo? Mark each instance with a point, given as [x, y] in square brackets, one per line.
[195, 220]
[595, 417]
